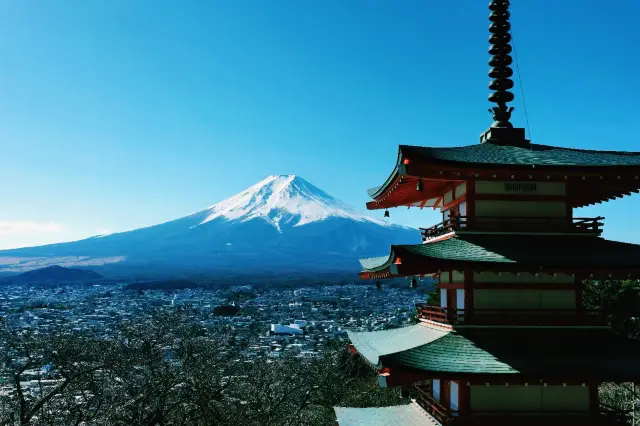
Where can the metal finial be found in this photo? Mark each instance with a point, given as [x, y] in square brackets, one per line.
[500, 60]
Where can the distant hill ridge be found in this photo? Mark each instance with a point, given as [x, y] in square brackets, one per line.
[56, 273]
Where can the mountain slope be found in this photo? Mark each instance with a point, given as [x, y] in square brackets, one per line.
[281, 223]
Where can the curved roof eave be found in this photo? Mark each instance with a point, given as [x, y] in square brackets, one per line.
[377, 264]
[397, 171]
[372, 345]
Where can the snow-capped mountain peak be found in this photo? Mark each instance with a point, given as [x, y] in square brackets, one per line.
[282, 223]
[283, 200]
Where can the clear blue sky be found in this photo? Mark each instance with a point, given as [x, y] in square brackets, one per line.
[116, 114]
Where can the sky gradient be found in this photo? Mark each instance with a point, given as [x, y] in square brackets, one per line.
[118, 114]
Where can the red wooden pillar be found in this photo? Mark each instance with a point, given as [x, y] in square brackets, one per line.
[445, 387]
[452, 303]
[464, 404]
[468, 295]
[568, 200]
[471, 202]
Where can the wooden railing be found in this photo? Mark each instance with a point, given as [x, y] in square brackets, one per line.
[577, 225]
[424, 398]
[582, 317]
[441, 228]
[434, 313]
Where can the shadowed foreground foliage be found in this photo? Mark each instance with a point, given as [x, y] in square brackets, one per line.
[620, 303]
[164, 370]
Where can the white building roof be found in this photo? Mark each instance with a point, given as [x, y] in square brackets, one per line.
[374, 344]
[409, 414]
[286, 329]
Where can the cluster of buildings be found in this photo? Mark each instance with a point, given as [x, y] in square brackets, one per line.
[273, 322]
[276, 323]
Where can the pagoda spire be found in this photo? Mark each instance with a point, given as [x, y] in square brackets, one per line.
[501, 131]
[500, 60]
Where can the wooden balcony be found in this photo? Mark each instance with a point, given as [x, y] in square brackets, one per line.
[448, 417]
[550, 317]
[591, 226]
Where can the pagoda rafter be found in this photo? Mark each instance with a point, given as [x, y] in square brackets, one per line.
[591, 176]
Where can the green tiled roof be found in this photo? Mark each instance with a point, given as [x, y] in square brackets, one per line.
[530, 251]
[535, 352]
[452, 353]
[486, 155]
[539, 155]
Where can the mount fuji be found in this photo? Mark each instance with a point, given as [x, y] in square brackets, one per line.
[281, 224]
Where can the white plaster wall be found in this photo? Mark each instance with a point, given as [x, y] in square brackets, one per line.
[542, 188]
[529, 398]
[525, 278]
[524, 299]
[506, 208]
[448, 197]
[457, 277]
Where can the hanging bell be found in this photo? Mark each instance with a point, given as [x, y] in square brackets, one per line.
[420, 185]
[386, 213]
[378, 285]
[414, 282]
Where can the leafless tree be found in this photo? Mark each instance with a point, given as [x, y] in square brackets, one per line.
[165, 370]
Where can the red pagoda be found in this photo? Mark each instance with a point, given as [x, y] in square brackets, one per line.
[511, 342]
